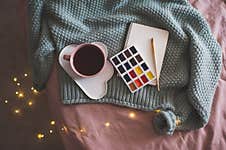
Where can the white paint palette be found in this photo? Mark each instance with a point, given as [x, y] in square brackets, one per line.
[132, 68]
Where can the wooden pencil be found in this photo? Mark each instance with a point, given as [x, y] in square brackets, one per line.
[155, 62]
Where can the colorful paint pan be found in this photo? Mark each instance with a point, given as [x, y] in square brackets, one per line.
[150, 75]
[138, 70]
[132, 87]
[133, 61]
[132, 74]
[126, 77]
[138, 58]
[132, 68]
[133, 49]
[127, 65]
[127, 53]
[144, 66]
[122, 57]
[116, 61]
[144, 79]
[138, 83]
[121, 69]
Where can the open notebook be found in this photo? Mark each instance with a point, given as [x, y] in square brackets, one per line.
[140, 36]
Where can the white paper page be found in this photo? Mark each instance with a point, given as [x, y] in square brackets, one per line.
[140, 36]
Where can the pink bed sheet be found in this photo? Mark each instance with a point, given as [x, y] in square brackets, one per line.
[125, 133]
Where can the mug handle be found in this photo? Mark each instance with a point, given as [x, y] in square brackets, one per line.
[67, 57]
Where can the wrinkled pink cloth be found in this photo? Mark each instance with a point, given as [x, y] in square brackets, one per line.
[125, 133]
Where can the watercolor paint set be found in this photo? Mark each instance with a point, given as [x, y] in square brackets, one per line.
[131, 66]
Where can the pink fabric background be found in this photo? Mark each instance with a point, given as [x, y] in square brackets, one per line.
[125, 133]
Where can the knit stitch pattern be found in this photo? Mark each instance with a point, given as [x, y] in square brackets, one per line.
[190, 69]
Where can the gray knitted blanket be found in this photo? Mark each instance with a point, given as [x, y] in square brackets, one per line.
[191, 65]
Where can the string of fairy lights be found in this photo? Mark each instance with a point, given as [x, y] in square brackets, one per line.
[23, 95]
[82, 130]
[25, 98]
[20, 95]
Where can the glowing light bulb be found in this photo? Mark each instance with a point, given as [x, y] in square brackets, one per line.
[132, 115]
[30, 103]
[17, 111]
[50, 131]
[82, 130]
[6, 101]
[52, 122]
[17, 92]
[14, 79]
[64, 128]
[40, 136]
[20, 95]
[18, 84]
[32, 88]
[35, 91]
[107, 124]
[25, 74]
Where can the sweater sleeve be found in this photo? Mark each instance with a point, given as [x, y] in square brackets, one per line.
[205, 66]
[193, 104]
[41, 49]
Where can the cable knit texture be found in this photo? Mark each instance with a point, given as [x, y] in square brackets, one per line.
[190, 69]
